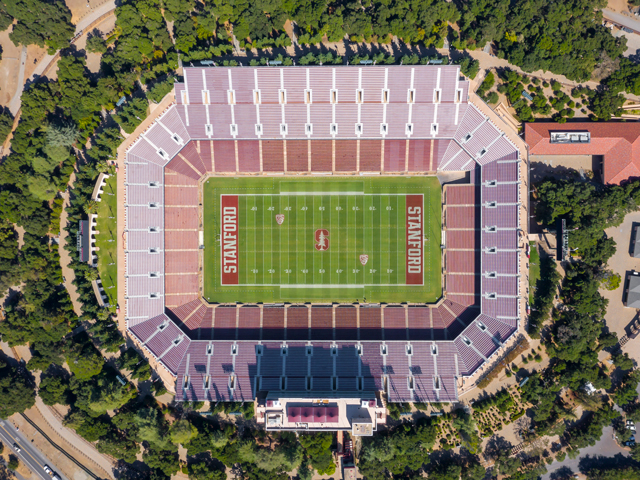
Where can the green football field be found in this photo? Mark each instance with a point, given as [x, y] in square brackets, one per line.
[325, 239]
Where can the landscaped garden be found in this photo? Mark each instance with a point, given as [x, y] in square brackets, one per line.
[495, 412]
[534, 270]
[106, 241]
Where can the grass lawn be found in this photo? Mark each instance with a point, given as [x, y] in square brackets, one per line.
[107, 253]
[534, 270]
[323, 240]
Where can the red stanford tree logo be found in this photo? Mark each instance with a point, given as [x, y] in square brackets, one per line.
[322, 239]
[364, 259]
[280, 218]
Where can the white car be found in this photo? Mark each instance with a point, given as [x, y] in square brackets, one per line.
[48, 470]
[16, 447]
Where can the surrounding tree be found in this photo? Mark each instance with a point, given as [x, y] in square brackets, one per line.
[53, 390]
[542, 34]
[205, 471]
[16, 391]
[13, 463]
[84, 361]
[38, 23]
[132, 114]
[101, 394]
[397, 450]
[88, 427]
[317, 446]
[95, 43]
[182, 431]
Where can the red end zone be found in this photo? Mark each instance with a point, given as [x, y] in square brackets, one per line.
[229, 239]
[415, 244]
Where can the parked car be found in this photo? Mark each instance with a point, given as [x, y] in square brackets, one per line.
[630, 444]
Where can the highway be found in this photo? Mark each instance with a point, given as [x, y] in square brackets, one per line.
[29, 455]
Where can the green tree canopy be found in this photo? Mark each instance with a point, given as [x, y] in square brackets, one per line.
[39, 23]
[182, 431]
[53, 390]
[16, 392]
[84, 361]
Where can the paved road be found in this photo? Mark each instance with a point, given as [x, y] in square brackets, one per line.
[630, 22]
[605, 447]
[31, 456]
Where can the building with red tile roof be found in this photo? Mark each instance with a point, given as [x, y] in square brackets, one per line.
[617, 142]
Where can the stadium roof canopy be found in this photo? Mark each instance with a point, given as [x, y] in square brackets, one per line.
[330, 120]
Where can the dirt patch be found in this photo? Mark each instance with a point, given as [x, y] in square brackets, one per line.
[9, 67]
[80, 8]
[619, 6]
[34, 56]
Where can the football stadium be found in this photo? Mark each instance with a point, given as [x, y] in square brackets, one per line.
[322, 241]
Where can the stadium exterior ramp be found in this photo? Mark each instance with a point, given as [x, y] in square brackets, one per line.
[321, 367]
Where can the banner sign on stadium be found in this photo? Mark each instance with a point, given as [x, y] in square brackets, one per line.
[415, 245]
[229, 239]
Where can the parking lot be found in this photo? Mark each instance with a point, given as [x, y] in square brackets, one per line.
[618, 316]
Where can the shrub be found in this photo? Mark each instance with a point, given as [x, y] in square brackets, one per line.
[517, 415]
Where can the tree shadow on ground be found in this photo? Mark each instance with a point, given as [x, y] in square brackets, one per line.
[599, 462]
[561, 474]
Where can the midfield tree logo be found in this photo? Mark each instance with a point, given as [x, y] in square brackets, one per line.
[280, 218]
[364, 259]
[322, 240]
